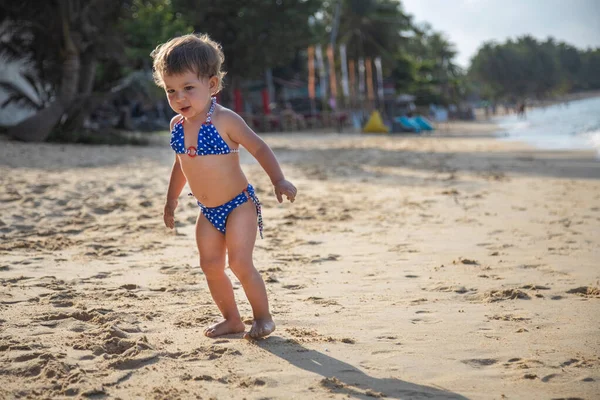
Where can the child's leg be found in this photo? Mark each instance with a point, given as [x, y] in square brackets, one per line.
[240, 237]
[211, 246]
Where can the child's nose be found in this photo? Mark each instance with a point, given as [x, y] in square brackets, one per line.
[179, 96]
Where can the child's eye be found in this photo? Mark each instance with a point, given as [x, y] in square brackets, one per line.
[169, 91]
[189, 88]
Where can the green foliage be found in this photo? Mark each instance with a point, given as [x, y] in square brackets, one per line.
[372, 28]
[405, 71]
[255, 34]
[437, 79]
[527, 67]
[149, 23]
[589, 75]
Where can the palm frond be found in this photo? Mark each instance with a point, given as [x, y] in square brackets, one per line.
[18, 95]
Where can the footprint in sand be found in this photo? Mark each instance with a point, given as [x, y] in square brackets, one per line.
[43, 364]
[204, 353]
[465, 261]
[520, 363]
[169, 270]
[586, 291]
[192, 319]
[536, 288]
[452, 288]
[271, 269]
[83, 316]
[389, 338]
[480, 362]
[330, 257]
[322, 301]
[61, 299]
[508, 317]
[306, 335]
[138, 361]
[334, 385]
[530, 266]
[493, 296]
[491, 276]
[246, 383]
[294, 287]
[101, 275]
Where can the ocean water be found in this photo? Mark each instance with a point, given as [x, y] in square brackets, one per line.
[571, 126]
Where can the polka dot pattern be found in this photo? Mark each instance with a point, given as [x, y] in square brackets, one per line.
[209, 140]
[218, 215]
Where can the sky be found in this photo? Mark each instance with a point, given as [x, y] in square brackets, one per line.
[469, 23]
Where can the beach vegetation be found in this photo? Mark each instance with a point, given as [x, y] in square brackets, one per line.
[527, 68]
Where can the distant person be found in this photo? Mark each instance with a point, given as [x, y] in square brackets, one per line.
[206, 138]
[521, 110]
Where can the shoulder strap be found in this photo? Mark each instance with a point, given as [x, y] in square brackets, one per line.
[211, 110]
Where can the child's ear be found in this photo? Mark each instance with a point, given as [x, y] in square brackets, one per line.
[213, 84]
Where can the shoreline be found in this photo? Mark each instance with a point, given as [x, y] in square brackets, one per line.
[578, 129]
[590, 94]
[452, 265]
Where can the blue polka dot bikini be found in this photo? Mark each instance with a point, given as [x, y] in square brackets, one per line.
[210, 142]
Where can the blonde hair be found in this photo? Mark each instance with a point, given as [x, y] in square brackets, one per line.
[197, 53]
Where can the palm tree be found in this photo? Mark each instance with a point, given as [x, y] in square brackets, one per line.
[32, 95]
[372, 28]
[434, 55]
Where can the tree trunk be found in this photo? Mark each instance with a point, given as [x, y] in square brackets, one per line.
[81, 108]
[38, 127]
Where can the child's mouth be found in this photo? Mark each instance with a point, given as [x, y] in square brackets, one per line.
[184, 109]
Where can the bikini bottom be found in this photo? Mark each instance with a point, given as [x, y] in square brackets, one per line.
[217, 216]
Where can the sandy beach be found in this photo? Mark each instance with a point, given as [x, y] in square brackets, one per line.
[452, 266]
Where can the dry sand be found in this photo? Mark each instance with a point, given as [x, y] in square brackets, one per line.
[452, 266]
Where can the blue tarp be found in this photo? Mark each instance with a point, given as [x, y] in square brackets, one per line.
[424, 123]
[408, 124]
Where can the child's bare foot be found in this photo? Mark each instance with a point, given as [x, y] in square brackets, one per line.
[225, 327]
[260, 328]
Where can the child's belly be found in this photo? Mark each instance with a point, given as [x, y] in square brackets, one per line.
[215, 179]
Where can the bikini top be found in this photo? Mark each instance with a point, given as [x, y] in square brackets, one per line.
[209, 140]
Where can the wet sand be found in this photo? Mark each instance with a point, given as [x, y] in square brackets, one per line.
[450, 266]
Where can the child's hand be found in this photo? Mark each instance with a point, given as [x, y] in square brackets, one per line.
[169, 214]
[284, 187]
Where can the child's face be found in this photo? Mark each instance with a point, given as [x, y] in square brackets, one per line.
[189, 95]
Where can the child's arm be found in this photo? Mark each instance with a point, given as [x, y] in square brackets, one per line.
[176, 185]
[176, 182]
[240, 132]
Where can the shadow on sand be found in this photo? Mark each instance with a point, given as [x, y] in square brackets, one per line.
[341, 377]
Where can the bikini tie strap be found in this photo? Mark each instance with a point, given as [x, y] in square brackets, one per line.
[256, 202]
